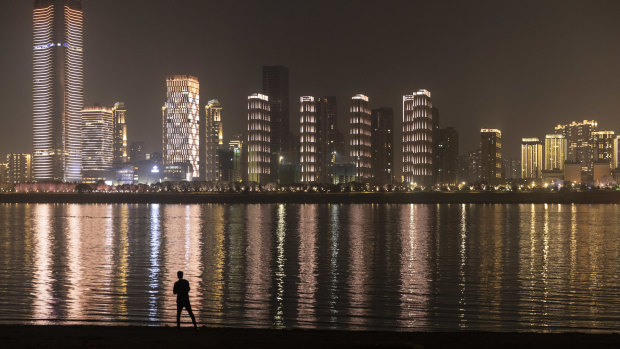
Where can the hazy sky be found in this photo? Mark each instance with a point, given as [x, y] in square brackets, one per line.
[521, 66]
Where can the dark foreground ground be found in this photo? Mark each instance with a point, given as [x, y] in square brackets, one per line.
[167, 337]
[564, 197]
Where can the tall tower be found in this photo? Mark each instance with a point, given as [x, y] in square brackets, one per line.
[555, 152]
[276, 87]
[57, 87]
[180, 124]
[491, 156]
[214, 139]
[98, 144]
[382, 145]
[309, 136]
[119, 113]
[531, 158]
[360, 137]
[259, 139]
[418, 126]
[580, 143]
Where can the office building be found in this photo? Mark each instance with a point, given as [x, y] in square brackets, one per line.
[259, 139]
[57, 90]
[98, 141]
[213, 140]
[491, 156]
[276, 88]
[360, 137]
[580, 145]
[446, 155]
[555, 152]
[4, 174]
[121, 155]
[309, 133]
[18, 168]
[382, 126]
[181, 141]
[137, 152]
[331, 141]
[531, 158]
[603, 146]
[239, 161]
[418, 128]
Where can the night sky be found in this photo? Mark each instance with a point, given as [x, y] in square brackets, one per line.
[521, 66]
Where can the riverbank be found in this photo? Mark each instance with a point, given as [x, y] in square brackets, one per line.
[167, 337]
[564, 197]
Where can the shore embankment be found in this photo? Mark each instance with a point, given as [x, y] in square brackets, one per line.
[564, 197]
[168, 337]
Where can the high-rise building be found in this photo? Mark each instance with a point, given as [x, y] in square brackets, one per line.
[580, 145]
[382, 126]
[603, 146]
[214, 139]
[531, 158]
[98, 141]
[57, 90]
[555, 152]
[360, 137]
[181, 116]
[137, 152]
[418, 128]
[121, 156]
[259, 139]
[331, 141]
[511, 168]
[276, 88]
[4, 173]
[309, 132]
[491, 156]
[19, 168]
[446, 155]
[238, 162]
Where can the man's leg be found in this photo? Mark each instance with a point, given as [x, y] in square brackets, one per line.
[188, 306]
[179, 309]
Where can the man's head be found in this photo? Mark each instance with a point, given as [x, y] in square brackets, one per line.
[180, 274]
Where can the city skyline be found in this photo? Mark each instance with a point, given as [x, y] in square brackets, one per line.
[111, 70]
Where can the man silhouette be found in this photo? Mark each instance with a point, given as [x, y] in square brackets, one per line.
[181, 289]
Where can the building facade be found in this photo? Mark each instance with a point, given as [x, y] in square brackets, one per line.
[276, 88]
[121, 155]
[238, 162]
[491, 156]
[531, 158]
[214, 140]
[418, 128]
[382, 123]
[98, 141]
[446, 156]
[181, 117]
[309, 137]
[331, 140]
[18, 168]
[360, 137]
[555, 152]
[259, 139]
[57, 90]
[603, 146]
[580, 143]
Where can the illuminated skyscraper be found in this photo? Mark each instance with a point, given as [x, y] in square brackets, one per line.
[360, 137]
[181, 141]
[418, 138]
[98, 141]
[309, 135]
[214, 139]
[383, 145]
[531, 158]
[555, 152]
[19, 168]
[259, 139]
[238, 163]
[119, 113]
[57, 90]
[580, 143]
[603, 146]
[491, 156]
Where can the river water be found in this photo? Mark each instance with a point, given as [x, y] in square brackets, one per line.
[350, 267]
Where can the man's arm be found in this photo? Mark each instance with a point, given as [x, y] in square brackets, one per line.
[174, 289]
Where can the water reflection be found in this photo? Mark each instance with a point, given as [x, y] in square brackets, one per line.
[407, 267]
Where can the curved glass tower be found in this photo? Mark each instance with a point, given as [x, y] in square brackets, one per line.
[57, 89]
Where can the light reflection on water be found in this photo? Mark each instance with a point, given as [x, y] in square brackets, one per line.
[401, 267]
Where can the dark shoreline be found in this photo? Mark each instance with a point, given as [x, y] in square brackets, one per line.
[565, 197]
[18, 336]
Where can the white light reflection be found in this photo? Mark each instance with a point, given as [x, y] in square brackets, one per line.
[307, 264]
[154, 270]
[43, 276]
[280, 273]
